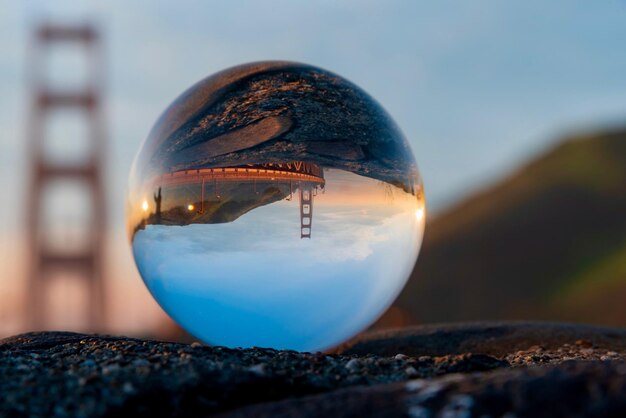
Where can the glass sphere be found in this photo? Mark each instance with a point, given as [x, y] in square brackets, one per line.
[275, 204]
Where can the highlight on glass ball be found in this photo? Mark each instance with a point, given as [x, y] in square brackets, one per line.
[275, 204]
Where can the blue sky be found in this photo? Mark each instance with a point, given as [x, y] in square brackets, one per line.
[477, 87]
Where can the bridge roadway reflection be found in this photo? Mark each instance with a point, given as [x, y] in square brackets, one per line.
[301, 172]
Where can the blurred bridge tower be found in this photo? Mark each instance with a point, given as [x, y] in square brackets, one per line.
[47, 259]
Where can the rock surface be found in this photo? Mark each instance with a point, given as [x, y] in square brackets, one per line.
[466, 370]
[493, 338]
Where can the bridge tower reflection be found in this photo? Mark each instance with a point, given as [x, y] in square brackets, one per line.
[306, 211]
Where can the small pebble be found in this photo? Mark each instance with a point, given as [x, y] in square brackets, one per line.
[259, 369]
[88, 363]
[462, 401]
[584, 343]
[410, 371]
[140, 362]
[106, 370]
[353, 365]
[128, 388]
[414, 385]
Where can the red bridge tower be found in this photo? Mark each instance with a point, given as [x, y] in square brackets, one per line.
[49, 256]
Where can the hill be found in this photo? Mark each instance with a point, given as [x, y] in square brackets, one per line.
[547, 242]
[234, 200]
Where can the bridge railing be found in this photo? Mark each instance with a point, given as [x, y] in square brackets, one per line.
[234, 174]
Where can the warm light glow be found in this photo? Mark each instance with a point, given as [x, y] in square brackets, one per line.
[144, 205]
[419, 214]
[190, 207]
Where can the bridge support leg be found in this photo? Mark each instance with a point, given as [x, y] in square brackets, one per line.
[306, 210]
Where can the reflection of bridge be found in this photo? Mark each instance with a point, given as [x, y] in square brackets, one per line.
[236, 174]
[307, 177]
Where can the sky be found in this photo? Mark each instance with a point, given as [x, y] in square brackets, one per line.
[477, 87]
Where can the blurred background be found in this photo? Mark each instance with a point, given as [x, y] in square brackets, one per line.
[516, 112]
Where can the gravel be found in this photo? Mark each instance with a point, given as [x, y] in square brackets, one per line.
[77, 375]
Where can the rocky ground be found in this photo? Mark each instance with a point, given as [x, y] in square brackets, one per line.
[468, 370]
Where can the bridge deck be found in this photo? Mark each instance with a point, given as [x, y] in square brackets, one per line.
[234, 174]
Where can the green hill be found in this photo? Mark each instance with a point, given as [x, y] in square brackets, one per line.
[547, 242]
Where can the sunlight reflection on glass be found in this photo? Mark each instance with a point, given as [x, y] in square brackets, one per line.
[284, 208]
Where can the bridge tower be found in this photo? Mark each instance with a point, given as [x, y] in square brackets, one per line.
[47, 255]
[306, 210]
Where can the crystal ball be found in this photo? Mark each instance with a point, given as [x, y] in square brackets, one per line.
[275, 204]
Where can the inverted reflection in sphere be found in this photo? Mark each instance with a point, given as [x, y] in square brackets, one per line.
[275, 204]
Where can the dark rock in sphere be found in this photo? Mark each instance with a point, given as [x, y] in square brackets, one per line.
[574, 371]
